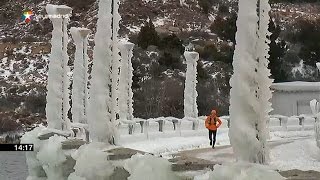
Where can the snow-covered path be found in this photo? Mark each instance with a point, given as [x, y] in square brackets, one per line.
[288, 150]
[176, 144]
[300, 154]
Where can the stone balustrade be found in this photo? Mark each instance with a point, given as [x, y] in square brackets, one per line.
[170, 126]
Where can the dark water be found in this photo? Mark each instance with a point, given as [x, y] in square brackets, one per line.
[13, 166]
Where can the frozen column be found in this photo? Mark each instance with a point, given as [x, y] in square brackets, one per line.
[250, 92]
[317, 123]
[101, 127]
[65, 13]
[125, 90]
[243, 101]
[80, 75]
[264, 82]
[190, 91]
[58, 82]
[116, 59]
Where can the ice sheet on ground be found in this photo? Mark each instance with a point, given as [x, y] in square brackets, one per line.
[241, 171]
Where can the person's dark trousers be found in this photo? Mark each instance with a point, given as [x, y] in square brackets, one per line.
[212, 137]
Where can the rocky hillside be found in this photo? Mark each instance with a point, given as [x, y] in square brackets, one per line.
[159, 68]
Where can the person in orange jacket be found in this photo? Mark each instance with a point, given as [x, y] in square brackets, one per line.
[212, 123]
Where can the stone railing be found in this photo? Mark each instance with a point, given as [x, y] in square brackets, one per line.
[293, 123]
[142, 129]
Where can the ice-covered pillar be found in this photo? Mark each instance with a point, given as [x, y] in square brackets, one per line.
[250, 92]
[190, 91]
[58, 82]
[264, 82]
[125, 85]
[317, 123]
[116, 59]
[80, 75]
[101, 126]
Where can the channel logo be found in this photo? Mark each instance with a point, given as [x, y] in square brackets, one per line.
[27, 16]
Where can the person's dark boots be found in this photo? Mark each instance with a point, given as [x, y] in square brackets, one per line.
[210, 143]
[213, 147]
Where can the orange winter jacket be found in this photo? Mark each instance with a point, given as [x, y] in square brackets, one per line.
[213, 123]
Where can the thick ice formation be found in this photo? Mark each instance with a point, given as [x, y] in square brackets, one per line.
[58, 82]
[264, 94]
[250, 94]
[73, 176]
[126, 74]
[80, 75]
[241, 171]
[34, 165]
[55, 73]
[315, 108]
[146, 167]
[116, 59]
[317, 130]
[190, 92]
[101, 127]
[65, 11]
[91, 163]
[51, 157]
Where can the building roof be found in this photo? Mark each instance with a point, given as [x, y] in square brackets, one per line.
[296, 86]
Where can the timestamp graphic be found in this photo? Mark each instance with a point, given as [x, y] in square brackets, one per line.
[16, 147]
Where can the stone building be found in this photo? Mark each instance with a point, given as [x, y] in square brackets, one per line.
[293, 98]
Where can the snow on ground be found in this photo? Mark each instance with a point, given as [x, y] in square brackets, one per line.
[300, 154]
[295, 85]
[294, 152]
[160, 21]
[299, 68]
[135, 29]
[174, 144]
[290, 134]
[297, 149]
[225, 155]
